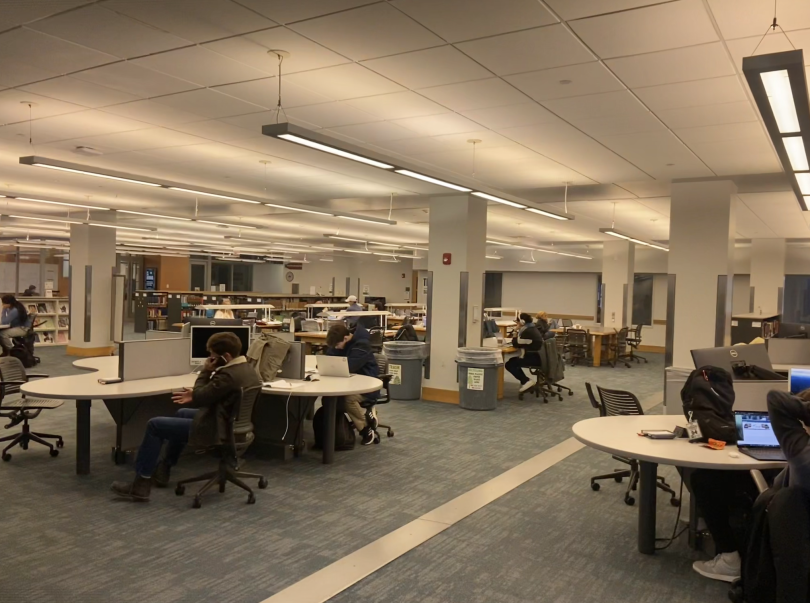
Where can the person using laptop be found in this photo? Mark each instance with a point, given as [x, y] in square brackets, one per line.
[530, 340]
[356, 347]
[790, 416]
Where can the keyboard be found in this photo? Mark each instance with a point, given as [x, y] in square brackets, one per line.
[764, 454]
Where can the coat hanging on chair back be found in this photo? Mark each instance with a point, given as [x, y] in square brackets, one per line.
[708, 396]
[266, 354]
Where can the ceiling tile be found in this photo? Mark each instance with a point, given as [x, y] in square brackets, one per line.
[344, 82]
[152, 113]
[707, 115]
[621, 103]
[131, 78]
[373, 132]
[576, 9]
[15, 73]
[72, 90]
[479, 94]
[217, 130]
[201, 66]
[659, 27]
[480, 17]
[512, 116]
[48, 53]
[255, 121]
[671, 66]
[529, 50]
[81, 124]
[433, 67]
[741, 18]
[207, 103]
[13, 110]
[397, 105]
[753, 155]
[619, 124]
[692, 94]
[547, 84]
[284, 11]
[653, 151]
[435, 125]
[151, 138]
[264, 93]
[19, 13]
[106, 31]
[251, 49]
[751, 130]
[368, 32]
[332, 114]
[194, 20]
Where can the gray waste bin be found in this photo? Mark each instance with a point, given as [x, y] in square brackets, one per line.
[478, 377]
[405, 360]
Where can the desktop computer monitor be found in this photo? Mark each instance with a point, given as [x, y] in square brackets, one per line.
[793, 330]
[727, 358]
[200, 334]
[215, 322]
[799, 379]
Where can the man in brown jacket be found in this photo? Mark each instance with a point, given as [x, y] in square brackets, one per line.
[202, 424]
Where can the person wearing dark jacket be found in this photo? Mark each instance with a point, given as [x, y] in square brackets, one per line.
[530, 340]
[789, 415]
[356, 347]
[203, 422]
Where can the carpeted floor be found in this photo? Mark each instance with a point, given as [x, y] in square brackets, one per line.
[68, 541]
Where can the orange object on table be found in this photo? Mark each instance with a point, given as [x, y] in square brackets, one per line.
[716, 444]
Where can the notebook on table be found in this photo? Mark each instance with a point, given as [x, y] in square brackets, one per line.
[756, 437]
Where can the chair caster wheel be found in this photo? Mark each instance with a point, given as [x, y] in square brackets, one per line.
[629, 500]
[263, 483]
[595, 486]
[390, 433]
[180, 490]
[60, 444]
[520, 396]
[618, 480]
[221, 488]
[6, 457]
[570, 393]
[54, 452]
[251, 499]
[675, 502]
[197, 503]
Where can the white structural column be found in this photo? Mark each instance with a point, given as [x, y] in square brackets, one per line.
[767, 274]
[701, 249]
[458, 226]
[92, 260]
[618, 261]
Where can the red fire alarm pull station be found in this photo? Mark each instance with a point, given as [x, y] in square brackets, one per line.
[447, 259]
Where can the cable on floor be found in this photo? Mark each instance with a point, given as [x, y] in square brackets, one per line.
[675, 533]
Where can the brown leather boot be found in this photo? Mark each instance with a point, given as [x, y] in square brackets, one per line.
[138, 490]
[162, 475]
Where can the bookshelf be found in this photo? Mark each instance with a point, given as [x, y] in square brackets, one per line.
[52, 324]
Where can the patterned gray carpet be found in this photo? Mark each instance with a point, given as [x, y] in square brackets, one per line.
[66, 540]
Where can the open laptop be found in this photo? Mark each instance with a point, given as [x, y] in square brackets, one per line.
[333, 366]
[756, 437]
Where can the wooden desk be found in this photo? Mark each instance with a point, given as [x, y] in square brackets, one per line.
[596, 342]
[504, 350]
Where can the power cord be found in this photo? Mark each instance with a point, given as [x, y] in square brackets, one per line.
[675, 533]
[287, 416]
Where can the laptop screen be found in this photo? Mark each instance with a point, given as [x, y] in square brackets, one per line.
[799, 380]
[754, 429]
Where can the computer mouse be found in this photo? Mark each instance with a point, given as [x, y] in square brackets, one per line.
[734, 455]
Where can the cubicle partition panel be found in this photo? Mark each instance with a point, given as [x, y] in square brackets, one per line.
[788, 351]
[463, 298]
[428, 321]
[117, 307]
[150, 358]
[722, 325]
[88, 297]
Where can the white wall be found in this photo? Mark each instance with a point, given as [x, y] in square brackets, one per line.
[656, 335]
[561, 293]
[29, 275]
[383, 279]
[741, 296]
[268, 278]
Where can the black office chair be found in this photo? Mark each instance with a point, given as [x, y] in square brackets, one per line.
[240, 436]
[385, 377]
[15, 406]
[578, 342]
[616, 402]
[618, 348]
[634, 342]
[376, 337]
[406, 333]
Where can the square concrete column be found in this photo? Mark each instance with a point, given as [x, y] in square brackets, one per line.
[701, 268]
[618, 263]
[92, 260]
[458, 226]
[768, 275]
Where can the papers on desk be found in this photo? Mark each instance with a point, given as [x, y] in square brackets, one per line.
[282, 384]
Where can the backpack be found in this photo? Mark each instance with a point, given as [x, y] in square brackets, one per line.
[406, 333]
[708, 395]
[344, 432]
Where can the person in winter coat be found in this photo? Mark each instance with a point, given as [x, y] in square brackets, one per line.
[530, 340]
[356, 347]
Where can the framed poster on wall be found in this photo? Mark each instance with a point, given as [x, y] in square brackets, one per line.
[150, 279]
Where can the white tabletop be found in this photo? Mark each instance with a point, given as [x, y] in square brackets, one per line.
[106, 364]
[787, 367]
[235, 307]
[330, 386]
[619, 436]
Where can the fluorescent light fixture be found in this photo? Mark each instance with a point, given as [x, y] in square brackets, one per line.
[118, 227]
[392, 261]
[218, 196]
[780, 96]
[358, 251]
[334, 151]
[804, 182]
[364, 220]
[498, 243]
[346, 239]
[794, 145]
[142, 213]
[415, 247]
[383, 244]
[527, 262]
[60, 203]
[327, 260]
[94, 174]
[289, 244]
[225, 224]
[498, 200]
[62, 220]
[615, 233]
[424, 178]
[547, 214]
[494, 257]
[306, 211]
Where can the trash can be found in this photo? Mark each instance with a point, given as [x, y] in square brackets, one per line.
[405, 360]
[478, 377]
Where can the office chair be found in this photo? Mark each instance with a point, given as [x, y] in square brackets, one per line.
[577, 344]
[18, 408]
[332, 323]
[240, 436]
[634, 342]
[376, 336]
[309, 325]
[618, 403]
[619, 348]
[406, 333]
[382, 362]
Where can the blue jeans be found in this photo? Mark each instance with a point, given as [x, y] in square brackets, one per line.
[175, 430]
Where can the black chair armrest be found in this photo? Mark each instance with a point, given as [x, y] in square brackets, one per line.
[37, 376]
[386, 379]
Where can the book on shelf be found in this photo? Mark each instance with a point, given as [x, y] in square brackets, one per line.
[44, 324]
[63, 322]
[61, 337]
[43, 308]
[64, 308]
[47, 338]
[32, 308]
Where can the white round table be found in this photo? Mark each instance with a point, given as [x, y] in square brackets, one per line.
[619, 436]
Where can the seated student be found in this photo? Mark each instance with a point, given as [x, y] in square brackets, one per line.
[353, 307]
[222, 313]
[530, 340]
[357, 349]
[202, 423]
[15, 315]
[541, 321]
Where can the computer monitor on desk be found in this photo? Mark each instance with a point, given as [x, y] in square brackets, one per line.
[793, 330]
[214, 322]
[736, 355]
[200, 334]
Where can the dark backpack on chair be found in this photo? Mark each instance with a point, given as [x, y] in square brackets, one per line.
[344, 432]
[708, 395]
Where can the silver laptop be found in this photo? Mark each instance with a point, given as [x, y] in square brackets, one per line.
[755, 436]
[333, 366]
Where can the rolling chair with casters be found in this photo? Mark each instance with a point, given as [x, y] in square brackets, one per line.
[385, 377]
[618, 403]
[634, 342]
[619, 348]
[578, 342]
[240, 436]
[376, 336]
[18, 408]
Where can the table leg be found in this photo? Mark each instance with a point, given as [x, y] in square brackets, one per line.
[648, 473]
[597, 350]
[330, 408]
[500, 382]
[82, 437]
